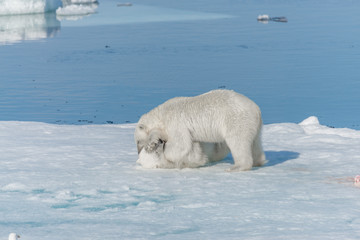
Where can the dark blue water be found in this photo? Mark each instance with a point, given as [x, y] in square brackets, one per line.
[114, 66]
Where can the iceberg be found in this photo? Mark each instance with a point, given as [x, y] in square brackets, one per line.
[17, 28]
[12, 7]
[74, 10]
[22, 20]
[77, 9]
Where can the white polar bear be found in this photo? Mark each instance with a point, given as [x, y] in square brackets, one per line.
[193, 131]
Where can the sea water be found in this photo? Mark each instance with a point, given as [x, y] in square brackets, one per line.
[121, 61]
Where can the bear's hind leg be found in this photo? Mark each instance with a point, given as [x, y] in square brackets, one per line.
[257, 152]
[184, 155]
[241, 151]
[215, 151]
[196, 157]
[182, 151]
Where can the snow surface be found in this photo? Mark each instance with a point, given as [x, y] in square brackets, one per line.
[82, 182]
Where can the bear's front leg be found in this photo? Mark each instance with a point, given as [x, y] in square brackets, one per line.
[176, 151]
[183, 152]
[178, 146]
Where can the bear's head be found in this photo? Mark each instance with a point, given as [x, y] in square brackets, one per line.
[150, 139]
[141, 136]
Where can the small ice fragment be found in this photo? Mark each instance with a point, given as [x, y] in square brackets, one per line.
[73, 10]
[13, 236]
[83, 1]
[357, 181]
[279, 19]
[266, 18]
[124, 4]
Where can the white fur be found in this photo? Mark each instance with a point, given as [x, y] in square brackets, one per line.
[149, 159]
[192, 131]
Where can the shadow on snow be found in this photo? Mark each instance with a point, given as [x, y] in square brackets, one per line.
[278, 157]
[273, 158]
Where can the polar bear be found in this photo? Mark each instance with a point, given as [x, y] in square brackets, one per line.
[193, 131]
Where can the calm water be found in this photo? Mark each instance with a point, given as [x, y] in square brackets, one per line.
[121, 62]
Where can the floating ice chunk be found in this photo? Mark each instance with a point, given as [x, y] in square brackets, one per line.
[83, 1]
[279, 19]
[11, 7]
[13, 236]
[124, 4]
[70, 2]
[73, 10]
[264, 17]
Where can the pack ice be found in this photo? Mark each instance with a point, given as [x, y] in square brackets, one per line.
[82, 182]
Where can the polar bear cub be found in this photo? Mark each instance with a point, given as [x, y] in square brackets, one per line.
[193, 131]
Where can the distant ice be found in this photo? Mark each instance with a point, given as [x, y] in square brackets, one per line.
[138, 13]
[83, 182]
[83, 1]
[18, 21]
[72, 10]
[65, 7]
[36, 19]
[264, 17]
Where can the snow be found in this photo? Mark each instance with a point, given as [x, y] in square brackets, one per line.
[83, 182]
